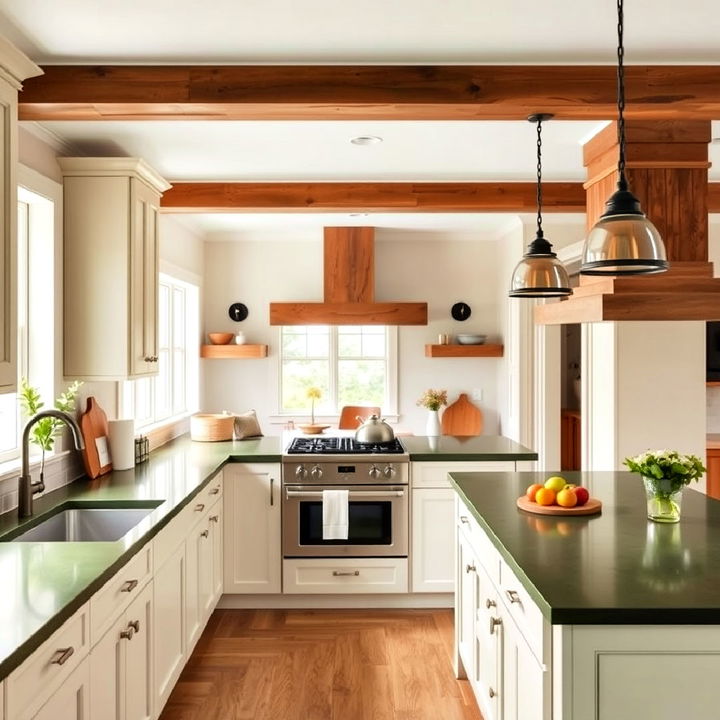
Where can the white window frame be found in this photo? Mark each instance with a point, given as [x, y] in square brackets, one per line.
[134, 393]
[389, 408]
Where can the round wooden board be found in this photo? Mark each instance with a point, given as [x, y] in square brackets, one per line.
[591, 507]
[312, 429]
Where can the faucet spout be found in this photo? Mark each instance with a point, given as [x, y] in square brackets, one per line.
[26, 487]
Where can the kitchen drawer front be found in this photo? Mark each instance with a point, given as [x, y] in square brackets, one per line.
[526, 614]
[29, 686]
[118, 592]
[434, 474]
[351, 576]
[482, 547]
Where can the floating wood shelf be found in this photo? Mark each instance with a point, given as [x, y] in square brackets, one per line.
[233, 351]
[463, 351]
[713, 383]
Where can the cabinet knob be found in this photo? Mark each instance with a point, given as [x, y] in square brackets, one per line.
[469, 568]
[127, 634]
[62, 656]
[463, 519]
[494, 622]
[513, 596]
[213, 518]
[204, 533]
[490, 603]
[135, 625]
[491, 692]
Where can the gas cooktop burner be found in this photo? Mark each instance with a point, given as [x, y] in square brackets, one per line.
[342, 446]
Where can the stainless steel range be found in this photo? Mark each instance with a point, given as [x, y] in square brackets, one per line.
[376, 476]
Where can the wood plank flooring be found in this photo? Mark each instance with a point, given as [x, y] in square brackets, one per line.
[323, 665]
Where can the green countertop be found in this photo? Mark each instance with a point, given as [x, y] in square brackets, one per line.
[481, 447]
[613, 568]
[45, 583]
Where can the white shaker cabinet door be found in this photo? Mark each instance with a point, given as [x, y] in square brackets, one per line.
[216, 534]
[138, 658]
[252, 552]
[168, 610]
[72, 700]
[433, 540]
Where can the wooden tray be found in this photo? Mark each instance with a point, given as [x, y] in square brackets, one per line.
[591, 507]
[93, 424]
[312, 429]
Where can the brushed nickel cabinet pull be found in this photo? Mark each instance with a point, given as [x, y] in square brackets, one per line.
[513, 596]
[127, 634]
[490, 603]
[135, 625]
[491, 692]
[129, 586]
[272, 497]
[214, 518]
[62, 655]
[494, 622]
[343, 573]
[469, 568]
[214, 491]
[463, 519]
[204, 533]
[199, 507]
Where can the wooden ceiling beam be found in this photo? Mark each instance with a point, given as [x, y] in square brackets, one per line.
[375, 92]
[558, 197]
[370, 197]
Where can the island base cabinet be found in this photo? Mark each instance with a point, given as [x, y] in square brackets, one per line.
[252, 552]
[72, 700]
[663, 672]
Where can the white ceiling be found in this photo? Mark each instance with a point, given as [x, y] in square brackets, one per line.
[372, 31]
[333, 31]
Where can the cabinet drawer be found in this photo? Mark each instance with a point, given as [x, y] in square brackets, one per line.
[482, 547]
[526, 614]
[118, 592]
[360, 575]
[30, 685]
[434, 474]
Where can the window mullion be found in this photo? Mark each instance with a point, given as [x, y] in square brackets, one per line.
[333, 362]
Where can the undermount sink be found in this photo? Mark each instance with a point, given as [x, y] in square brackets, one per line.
[86, 525]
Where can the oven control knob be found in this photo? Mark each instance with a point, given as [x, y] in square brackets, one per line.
[374, 471]
[389, 471]
[316, 472]
[301, 472]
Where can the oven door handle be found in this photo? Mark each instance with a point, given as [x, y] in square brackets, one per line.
[289, 494]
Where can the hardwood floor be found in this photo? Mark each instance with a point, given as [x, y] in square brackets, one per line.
[323, 665]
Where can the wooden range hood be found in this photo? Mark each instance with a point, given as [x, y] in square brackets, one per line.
[349, 288]
[667, 166]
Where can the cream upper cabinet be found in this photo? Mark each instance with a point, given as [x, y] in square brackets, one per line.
[111, 267]
[14, 68]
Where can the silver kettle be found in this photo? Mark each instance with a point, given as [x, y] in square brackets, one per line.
[374, 430]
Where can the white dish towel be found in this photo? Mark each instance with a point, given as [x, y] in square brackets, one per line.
[335, 515]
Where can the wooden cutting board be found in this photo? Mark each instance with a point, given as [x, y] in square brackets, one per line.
[462, 418]
[94, 427]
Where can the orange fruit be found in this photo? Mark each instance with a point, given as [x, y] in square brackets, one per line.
[530, 493]
[567, 498]
[545, 496]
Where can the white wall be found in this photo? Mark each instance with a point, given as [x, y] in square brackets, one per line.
[419, 266]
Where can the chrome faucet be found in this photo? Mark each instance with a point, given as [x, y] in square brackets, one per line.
[26, 487]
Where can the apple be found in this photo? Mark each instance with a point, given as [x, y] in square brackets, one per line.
[555, 483]
[582, 495]
[531, 491]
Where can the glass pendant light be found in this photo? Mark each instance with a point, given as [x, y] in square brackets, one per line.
[623, 241]
[539, 274]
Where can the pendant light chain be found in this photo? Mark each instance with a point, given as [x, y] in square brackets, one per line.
[539, 178]
[622, 181]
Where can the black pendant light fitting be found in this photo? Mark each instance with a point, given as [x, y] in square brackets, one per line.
[539, 274]
[623, 241]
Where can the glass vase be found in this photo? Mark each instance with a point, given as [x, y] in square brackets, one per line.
[432, 426]
[663, 503]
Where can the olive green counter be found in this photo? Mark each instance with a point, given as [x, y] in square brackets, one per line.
[613, 568]
[452, 449]
[45, 583]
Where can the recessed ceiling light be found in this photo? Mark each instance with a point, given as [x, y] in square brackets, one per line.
[366, 140]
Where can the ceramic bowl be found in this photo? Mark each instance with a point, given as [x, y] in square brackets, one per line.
[220, 338]
[467, 339]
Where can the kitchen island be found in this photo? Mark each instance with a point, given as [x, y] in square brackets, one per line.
[595, 617]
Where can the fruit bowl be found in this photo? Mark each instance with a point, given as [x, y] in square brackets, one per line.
[469, 339]
[558, 497]
[220, 338]
[591, 507]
